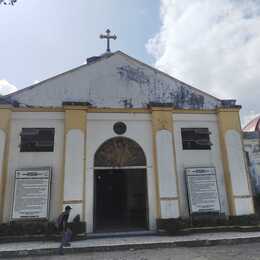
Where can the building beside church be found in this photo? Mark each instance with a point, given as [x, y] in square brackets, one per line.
[251, 139]
[124, 144]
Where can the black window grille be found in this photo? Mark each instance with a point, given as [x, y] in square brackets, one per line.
[247, 158]
[37, 140]
[196, 139]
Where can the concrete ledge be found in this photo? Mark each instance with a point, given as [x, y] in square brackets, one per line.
[10, 250]
[200, 230]
[34, 238]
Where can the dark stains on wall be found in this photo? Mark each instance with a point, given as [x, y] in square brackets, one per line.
[127, 103]
[133, 74]
[183, 97]
[158, 90]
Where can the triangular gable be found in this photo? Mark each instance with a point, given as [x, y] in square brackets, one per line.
[114, 81]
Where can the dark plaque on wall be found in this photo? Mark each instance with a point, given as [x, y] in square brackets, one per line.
[119, 128]
[31, 194]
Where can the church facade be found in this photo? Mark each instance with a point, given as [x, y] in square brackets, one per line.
[116, 140]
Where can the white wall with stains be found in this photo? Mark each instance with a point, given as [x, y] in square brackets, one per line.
[117, 81]
[198, 158]
[18, 160]
[100, 129]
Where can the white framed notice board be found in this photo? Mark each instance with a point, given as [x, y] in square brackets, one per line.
[31, 196]
[202, 190]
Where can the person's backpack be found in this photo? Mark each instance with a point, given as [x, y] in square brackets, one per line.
[59, 221]
[76, 219]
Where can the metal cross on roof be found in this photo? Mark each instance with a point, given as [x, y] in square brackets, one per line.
[108, 37]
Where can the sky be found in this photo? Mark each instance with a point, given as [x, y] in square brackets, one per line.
[41, 38]
[213, 45]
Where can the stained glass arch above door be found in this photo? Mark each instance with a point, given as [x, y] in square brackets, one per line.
[119, 152]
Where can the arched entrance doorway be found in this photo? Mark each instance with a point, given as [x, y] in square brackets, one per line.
[120, 186]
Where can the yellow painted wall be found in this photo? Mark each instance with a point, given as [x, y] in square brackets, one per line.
[161, 119]
[5, 118]
[228, 119]
[75, 119]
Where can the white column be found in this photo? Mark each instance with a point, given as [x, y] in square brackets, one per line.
[74, 172]
[168, 193]
[239, 176]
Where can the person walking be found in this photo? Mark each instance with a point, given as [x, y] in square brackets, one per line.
[63, 227]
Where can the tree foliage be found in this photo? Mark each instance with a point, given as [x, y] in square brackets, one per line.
[8, 2]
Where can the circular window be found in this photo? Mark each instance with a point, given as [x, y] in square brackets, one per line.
[120, 128]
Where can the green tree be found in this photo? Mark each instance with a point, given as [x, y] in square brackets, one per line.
[8, 2]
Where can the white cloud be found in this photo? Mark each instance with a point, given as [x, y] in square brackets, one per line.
[6, 87]
[213, 45]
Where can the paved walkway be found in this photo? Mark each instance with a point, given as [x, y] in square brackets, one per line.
[220, 252]
[123, 243]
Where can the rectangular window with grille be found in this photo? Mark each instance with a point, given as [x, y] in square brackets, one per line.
[195, 138]
[37, 140]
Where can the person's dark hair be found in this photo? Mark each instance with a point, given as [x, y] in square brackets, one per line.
[67, 208]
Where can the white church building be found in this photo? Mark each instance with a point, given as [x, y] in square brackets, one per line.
[123, 144]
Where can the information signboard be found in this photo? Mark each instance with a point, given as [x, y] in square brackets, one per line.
[31, 194]
[202, 190]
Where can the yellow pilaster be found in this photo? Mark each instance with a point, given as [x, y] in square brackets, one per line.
[5, 119]
[161, 120]
[228, 119]
[75, 118]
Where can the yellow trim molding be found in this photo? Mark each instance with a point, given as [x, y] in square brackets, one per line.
[37, 109]
[110, 110]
